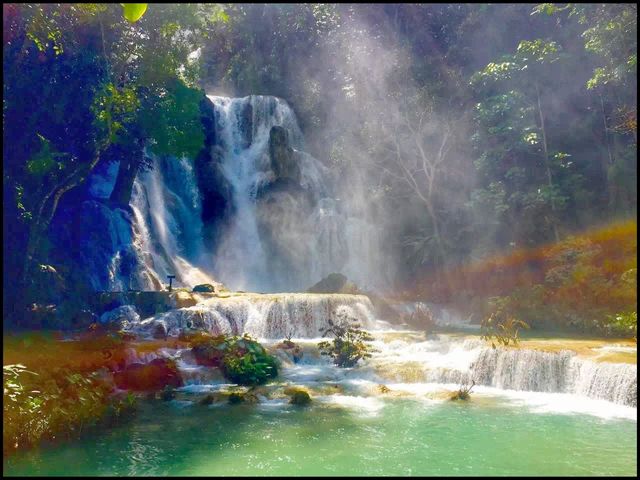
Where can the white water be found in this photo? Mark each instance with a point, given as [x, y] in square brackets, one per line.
[309, 246]
[167, 230]
[271, 316]
[282, 234]
[406, 361]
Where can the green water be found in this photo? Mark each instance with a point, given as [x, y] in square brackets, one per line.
[404, 437]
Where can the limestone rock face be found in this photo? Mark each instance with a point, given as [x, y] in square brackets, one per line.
[283, 160]
[182, 299]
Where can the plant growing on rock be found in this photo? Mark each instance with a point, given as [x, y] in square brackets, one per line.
[350, 341]
[291, 347]
[463, 392]
[246, 362]
[242, 359]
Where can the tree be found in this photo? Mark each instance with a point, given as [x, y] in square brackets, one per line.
[83, 84]
[522, 74]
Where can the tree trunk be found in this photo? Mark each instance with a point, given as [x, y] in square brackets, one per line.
[605, 165]
[127, 171]
[546, 163]
[45, 212]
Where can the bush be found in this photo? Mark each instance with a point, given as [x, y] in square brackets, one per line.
[625, 323]
[246, 362]
[348, 346]
[54, 404]
[501, 326]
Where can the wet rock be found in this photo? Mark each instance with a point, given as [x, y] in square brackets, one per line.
[205, 288]
[168, 393]
[120, 317]
[83, 319]
[298, 396]
[236, 398]
[152, 376]
[39, 316]
[292, 350]
[159, 331]
[335, 283]
[183, 299]
[283, 162]
[207, 400]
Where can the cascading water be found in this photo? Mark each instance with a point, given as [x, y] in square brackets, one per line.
[279, 227]
[286, 232]
[271, 316]
[167, 229]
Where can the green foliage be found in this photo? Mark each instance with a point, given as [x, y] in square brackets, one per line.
[133, 11]
[172, 121]
[246, 362]
[242, 359]
[624, 323]
[115, 110]
[54, 404]
[350, 341]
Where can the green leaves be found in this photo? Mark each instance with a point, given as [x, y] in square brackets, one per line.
[133, 11]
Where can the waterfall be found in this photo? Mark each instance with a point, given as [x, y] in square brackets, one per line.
[536, 371]
[286, 231]
[270, 316]
[167, 229]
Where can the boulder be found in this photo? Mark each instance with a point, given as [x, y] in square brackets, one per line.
[292, 350]
[159, 331]
[298, 396]
[209, 351]
[83, 318]
[204, 288]
[152, 376]
[335, 283]
[120, 317]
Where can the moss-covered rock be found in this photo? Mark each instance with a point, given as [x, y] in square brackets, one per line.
[298, 396]
[204, 288]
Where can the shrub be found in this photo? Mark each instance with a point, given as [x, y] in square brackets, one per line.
[625, 323]
[54, 404]
[246, 362]
[349, 344]
[463, 392]
[501, 326]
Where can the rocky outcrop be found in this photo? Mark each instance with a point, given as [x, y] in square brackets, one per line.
[335, 283]
[204, 288]
[120, 317]
[283, 160]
